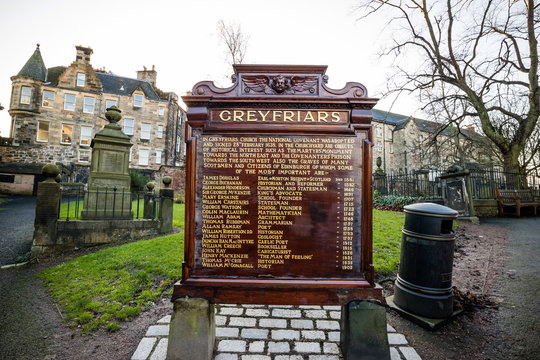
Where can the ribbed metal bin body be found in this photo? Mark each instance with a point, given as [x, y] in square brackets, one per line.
[424, 282]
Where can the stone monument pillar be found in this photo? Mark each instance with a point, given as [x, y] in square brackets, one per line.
[149, 201]
[47, 209]
[109, 182]
[166, 204]
[456, 189]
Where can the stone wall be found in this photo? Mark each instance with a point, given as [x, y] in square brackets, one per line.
[486, 207]
[22, 185]
[83, 233]
[178, 175]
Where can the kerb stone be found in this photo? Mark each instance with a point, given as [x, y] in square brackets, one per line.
[192, 330]
[363, 331]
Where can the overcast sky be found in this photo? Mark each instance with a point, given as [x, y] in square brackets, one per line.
[180, 38]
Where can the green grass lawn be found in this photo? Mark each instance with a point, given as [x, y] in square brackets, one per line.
[75, 208]
[99, 289]
[103, 288]
[387, 227]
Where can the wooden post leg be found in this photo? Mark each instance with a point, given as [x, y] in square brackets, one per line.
[363, 331]
[192, 331]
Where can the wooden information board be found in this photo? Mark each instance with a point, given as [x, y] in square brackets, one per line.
[278, 190]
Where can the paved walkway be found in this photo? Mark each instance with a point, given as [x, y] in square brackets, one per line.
[260, 332]
[16, 227]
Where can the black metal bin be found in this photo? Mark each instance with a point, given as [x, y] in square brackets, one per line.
[424, 282]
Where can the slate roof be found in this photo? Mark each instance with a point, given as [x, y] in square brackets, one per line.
[54, 73]
[432, 127]
[119, 85]
[34, 67]
[388, 117]
[111, 83]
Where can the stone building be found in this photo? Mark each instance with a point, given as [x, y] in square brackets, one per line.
[56, 112]
[407, 145]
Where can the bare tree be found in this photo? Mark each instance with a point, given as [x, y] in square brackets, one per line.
[235, 41]
[486, 55]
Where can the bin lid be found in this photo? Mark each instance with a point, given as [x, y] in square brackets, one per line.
[431, 208]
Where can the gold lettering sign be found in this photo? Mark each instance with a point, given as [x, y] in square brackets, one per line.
[282, 116]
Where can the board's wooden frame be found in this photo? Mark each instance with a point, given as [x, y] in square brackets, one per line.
[204, 99]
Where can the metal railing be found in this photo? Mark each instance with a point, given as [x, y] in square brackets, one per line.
[106, 203]
[412, 185]
[483, 183]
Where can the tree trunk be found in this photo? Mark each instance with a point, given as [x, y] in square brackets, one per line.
[514, 178]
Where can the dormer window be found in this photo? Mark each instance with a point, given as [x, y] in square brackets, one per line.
[26, 95]
[81, 78]
[137, 100]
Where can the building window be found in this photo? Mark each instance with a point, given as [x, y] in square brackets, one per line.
[161, 111]
[26, 95]
[160, 131]
[67, 134]
[158, 156]
[391, 148]
[379, 132]
[81, 77]
[390, 134]
[145, 131]
[412, 129]
[69, 102]
[137, 100]
[379, 146]
[84, 156]
[109, 103]
[86, 135]
[128, 126]
[89, 105]
[48, 99]
[143, 157]
[43, 131]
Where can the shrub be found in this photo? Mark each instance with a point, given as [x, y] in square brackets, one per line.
[138, 180]
[179, 199]
[394, 202]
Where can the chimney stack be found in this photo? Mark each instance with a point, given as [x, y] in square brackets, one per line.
[148, 75]
[83, 54]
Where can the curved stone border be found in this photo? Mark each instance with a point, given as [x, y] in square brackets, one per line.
[274, 332]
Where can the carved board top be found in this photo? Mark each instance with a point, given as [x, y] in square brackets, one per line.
[277, 81]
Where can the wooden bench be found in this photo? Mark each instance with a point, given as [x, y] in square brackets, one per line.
[516, 198]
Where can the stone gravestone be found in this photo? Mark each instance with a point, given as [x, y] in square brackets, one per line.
[456, 187]
[109, 182]
[278, 204]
